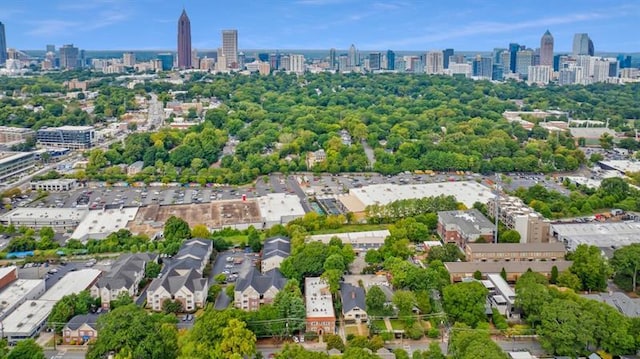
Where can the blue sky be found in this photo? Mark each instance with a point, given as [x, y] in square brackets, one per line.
[322, 24]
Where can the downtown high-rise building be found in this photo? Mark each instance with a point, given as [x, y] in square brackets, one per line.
[582, 45]
[69, 56]
[546, 49]
[446, 54]
[482, 67]
[3, 45]
[353, 57]
[513, 52]
[129, 59]
[524, 59]
[391, 60]
[375, 61]
[184, 41]
[332, 59]
[230, 48]
[434, 62]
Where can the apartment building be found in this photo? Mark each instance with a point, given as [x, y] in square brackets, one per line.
[321, 318]
[516, 252]
[463, 227]
[516, 215]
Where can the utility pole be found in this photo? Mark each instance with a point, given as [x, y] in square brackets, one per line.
[497, 207]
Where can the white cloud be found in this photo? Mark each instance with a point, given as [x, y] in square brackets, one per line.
[46, 28]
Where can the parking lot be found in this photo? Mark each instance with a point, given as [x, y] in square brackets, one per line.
[233, 264]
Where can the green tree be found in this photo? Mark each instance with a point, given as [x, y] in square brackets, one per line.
[334, 342]
[590, 266]
[152, 270]
[123, 299]
[237, 341]
[200, 231]
[449, 252]
[172, 306]
[469, 344]
[626, 263]
[509, 236]
[569, 280]
[404, 300]
[26, 349]
[375, 301]
[554, 275]
[46, 233]
[606, 141]
[565, 329]
[132, 331]
[465, 302]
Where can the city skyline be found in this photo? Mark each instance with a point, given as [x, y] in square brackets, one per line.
[321, 24]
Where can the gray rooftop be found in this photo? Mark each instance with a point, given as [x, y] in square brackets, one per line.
[515, 247]
[510, 267]
[261, 282]
[630, 307]
[123, 272]
[352, 297]
[276, 246]
[470, 221]
[172, 281]
[79, 320]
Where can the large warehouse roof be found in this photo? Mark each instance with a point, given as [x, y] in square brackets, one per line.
[603, 235]
[467, 192]
[72, 282]
[100, 223]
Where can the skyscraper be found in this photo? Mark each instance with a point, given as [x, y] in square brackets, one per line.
[524, 59]
[230, 48]
[582, 44]
[446, 54]
[3, 45]
[184, 41]
[482, 67]
[546, 49]
[391, 60]
[332, 59]
[434, 62]
[375, 58]
[513, 51]
[69, 57]
[353, 56]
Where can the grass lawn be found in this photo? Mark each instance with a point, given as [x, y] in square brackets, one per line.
[378, 325]
[238, 239]
[397, 324]
[352, 228]
[351, 329]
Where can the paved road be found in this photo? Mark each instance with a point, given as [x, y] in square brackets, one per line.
[293, 184]
[64, 354]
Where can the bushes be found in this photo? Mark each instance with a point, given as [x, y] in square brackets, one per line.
[499, 320]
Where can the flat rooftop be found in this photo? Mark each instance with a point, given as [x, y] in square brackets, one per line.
[27, 317]
[515, 247]
[353, 238]
[623, 166]
[98, 224]
[6, 270]
[277, 206]
[603, 235]
[469, 221]
[319, 302]
[69, 128]
[72, 282]
[216, 214]
[466, 192]
[6, 157]
[16, 292]
[510, 267]
[34, 214]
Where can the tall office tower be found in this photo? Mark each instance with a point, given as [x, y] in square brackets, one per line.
[296, 63]
[343, 62]
[590, 49]
[581, 44]
[69, 57]
[391, 60]
[546, 49]
[524, 59]
[3, 45]
[497, 73]
[446, 54]
[505, 61]
[556, 61]
[242, 59]
[332, 59]
[353, 56]
[285, 63]
[230, 47]
[434, 63]
[625, 61]
[166, 59]
[375, 59]
[51, 48]
[184, 41]
[513, 51]
[483, 67]
[129, 59]
[540, 75]
[497, 55]
[274, 61]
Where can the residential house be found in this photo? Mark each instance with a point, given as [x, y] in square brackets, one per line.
[354, 308]
[188, 288]
[321, 318]
[80, 329]
[275, 250]
[258, 288]
[193, 254]
[462, 227]
[124, 277]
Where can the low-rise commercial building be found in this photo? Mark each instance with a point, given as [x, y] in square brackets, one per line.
[36, 218]
[13, 135]
[56, 185]
[486, 252]
[462, 227]
[608, 236]
[19, 292]
[360, 241]
[279, 208]
[14, 163]
[72, 283]
[98, 224]
[73, 137]
[514, 270]
[27, 320]
[321, 318]
[516, 215]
